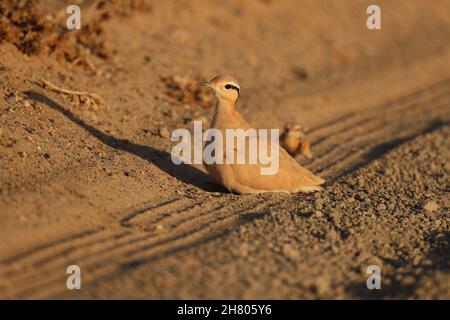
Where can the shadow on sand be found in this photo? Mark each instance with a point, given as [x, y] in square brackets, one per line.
[162, 159]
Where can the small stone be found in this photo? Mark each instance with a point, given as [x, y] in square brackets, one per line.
[334, 214]
[147, 59]
[431, 206]
[10, 97]
[322, 285]
[93, 117]
[290, 252]
[381, 207]
[375, 260]
[408, 281]
[318, 204]
[164, 133]
[361, 182]
[427, 262]
[318, 214]
[243, 250]
[300, 73]
[416, 260]
[332, 236]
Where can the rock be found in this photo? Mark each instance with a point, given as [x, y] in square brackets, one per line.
[361, 182]
[318, 204]
[391, 206]
[10, 97]
[408, 281]
[318, 214]
[147, 59]
[164, 133]
[416, 260]
[290, 252]
[335, 216]
[431, 206]
[332, 235]
[243, 250]
[322, 285]
[300, 73]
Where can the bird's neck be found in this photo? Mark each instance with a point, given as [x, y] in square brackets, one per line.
[223, 111]
[225, 106]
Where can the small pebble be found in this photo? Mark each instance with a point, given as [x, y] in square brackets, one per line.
[318, 214]
[164, 133]
[289, 251]
[431, 206]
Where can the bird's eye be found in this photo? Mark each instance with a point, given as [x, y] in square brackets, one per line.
[229, 86]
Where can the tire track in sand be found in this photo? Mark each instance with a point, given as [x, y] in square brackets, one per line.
[136, 238]
[128, 247]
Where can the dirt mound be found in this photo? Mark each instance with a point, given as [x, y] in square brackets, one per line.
[32, 32]
[185, 90]
[21, 25]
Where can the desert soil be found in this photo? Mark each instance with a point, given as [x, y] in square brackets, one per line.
[91, 182]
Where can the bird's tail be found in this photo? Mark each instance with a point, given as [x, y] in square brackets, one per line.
[309, 189]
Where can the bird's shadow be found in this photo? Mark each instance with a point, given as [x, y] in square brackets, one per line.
[162, 159]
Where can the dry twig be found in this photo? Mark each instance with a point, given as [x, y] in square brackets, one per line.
[93, 96]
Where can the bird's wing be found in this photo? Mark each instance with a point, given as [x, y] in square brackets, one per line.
[290, 175]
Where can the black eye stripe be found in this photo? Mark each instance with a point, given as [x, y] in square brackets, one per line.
[230, 86]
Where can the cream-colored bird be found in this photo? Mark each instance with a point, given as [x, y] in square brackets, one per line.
[247, 178]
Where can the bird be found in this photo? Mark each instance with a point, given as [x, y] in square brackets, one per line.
[246, 178]
[293, 139]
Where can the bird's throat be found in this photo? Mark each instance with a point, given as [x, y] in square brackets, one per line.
[225, 106]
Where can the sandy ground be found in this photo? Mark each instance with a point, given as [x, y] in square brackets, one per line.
[92, 184]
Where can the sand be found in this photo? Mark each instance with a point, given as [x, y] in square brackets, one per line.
[92, 183]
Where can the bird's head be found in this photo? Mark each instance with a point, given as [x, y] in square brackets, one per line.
[294, 129]
[224, 87]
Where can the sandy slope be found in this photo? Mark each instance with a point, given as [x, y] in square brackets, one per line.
[94, 186]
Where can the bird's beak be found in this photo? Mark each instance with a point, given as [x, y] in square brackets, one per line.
[205, 83]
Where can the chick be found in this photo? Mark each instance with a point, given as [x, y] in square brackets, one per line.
[293, 139]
